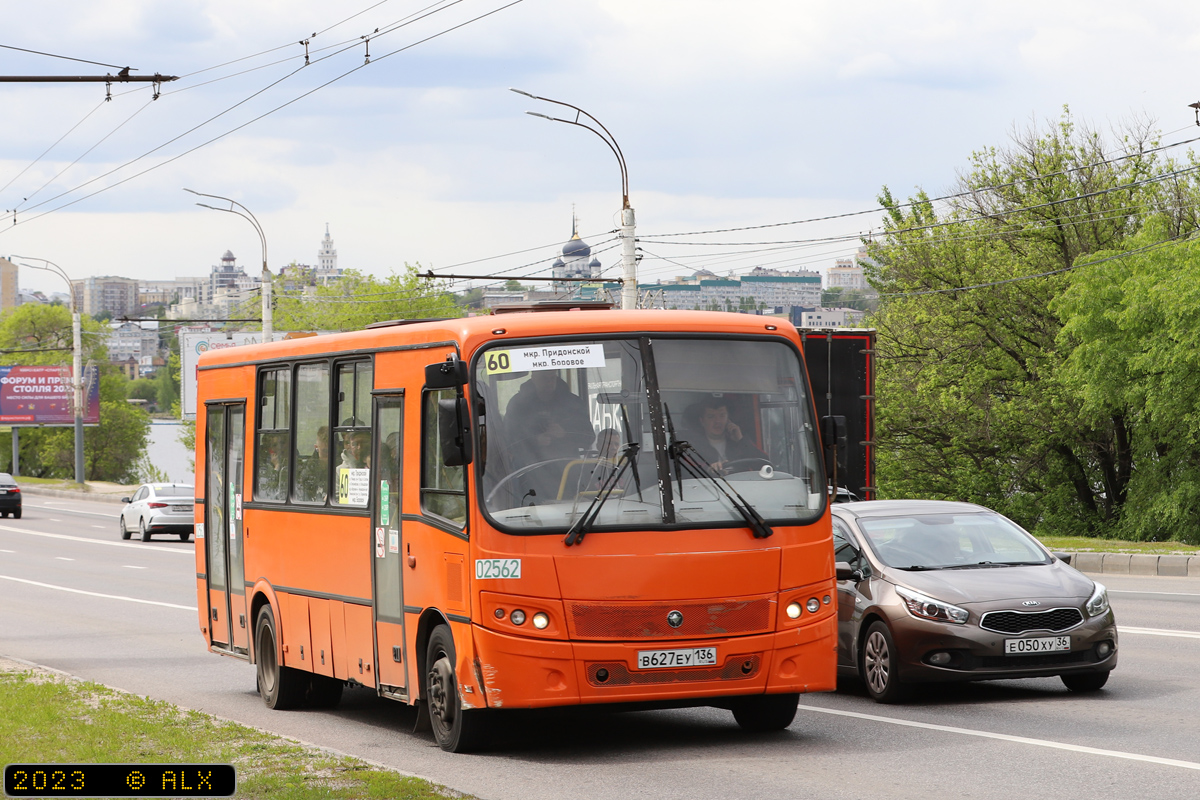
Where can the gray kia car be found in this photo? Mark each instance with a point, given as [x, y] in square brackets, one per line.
[934, 591]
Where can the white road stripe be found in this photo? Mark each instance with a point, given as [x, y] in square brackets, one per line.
[97, 594]
[1135, 591]
[186, 550]
[101, 527]
[52, 519]
[8, 551]
[63, 558]
[131, 566]
[1004, 737]
[1159, 632]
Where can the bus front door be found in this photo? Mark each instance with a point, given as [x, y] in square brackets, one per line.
[387, 547]
[225, 453]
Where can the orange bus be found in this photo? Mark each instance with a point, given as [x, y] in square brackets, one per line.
[520, 511]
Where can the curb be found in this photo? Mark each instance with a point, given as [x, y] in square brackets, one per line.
[76, 494]
[1174, 566]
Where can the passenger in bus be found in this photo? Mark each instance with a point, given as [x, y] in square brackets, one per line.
[608, 444]
[272, 468]
[547, 420]
[717, 438]
[314, 472]
[356, 454]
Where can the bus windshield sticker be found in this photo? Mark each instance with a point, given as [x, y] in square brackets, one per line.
[384, 514]
[393, 541]
[379, 542]
[526, 359]
[353, 486]
[486, 568]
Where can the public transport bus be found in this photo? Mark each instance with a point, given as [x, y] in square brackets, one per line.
[520, 511]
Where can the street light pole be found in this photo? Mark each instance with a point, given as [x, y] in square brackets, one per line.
[268, 325]
[628, 222]
[77, 359]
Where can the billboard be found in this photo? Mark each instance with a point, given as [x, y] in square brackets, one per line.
[192, 344]
[42, 395]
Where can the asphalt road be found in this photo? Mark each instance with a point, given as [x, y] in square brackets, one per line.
[74, 597]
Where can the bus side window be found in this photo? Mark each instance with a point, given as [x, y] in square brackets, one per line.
[310, 481]
[271, 444]
[442, 487]
[352, 479]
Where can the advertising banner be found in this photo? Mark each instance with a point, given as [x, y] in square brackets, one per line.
[43, 395]
[192, 344]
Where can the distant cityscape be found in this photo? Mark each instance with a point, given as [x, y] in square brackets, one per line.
[134, 343]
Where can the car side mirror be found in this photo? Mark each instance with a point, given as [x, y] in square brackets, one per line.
[126, 499]
[1063, 557]
[845, 572]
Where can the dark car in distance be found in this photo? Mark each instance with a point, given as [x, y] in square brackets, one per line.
[933, 591]
[10, 496]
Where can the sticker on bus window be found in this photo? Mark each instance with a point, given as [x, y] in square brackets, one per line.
[486, 568]
[526, 359]
[384, 503]
[379, 542]
[394, 542]
[199, 530]
[353, 486]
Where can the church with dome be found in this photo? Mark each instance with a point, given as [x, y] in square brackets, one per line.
[576, 262]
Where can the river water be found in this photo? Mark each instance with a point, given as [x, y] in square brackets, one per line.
[168, 454]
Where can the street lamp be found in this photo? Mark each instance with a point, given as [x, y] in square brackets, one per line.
[267, 322]
[77, 347]
[628, 243]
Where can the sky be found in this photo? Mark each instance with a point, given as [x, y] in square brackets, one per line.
[728, 114]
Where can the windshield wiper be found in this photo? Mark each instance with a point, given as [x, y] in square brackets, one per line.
[581, 526]
[684, 454]
[923, 568]
[997, 564]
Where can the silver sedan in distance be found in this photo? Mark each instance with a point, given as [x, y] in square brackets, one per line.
[932, 591]
[160, 508]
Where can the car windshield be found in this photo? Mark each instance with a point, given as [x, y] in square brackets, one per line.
[174, 491]
[950, 540]
[698, 429]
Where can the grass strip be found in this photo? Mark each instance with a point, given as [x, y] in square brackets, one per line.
[1084, 544]
[47, 718]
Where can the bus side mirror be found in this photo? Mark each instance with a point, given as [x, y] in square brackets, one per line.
[446, 374]
[455, 430]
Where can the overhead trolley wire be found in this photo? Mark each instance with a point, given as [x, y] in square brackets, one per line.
[66, 58]
[51, 147]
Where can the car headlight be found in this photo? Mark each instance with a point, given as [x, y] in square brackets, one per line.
[926, 607]
[1097, 604]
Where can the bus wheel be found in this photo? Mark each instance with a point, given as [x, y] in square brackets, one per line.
[456, 730]
[766, 712]
[281, 687]
[325, 692]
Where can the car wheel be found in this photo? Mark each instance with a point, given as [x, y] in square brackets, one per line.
[280, 687]
[17, 514]
[125, 532]
[4, 514]
[455, 729]
[1085, 681]
[766, 712]
[183, 537]
[878, 665]
[145, 531]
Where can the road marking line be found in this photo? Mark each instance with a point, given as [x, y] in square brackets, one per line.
[188, 551]
[1135, 591]
[63, 558]
[1004, 737]
[52, 519]
[8, 551]
[101, 527]
[131, 566]
[1159, 632]
[97, 594]
[47, 507]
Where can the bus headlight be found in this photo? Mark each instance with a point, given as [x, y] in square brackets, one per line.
[517, 617]
[793, 610]
[541, 621]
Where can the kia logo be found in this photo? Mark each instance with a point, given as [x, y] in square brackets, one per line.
[1031, 603]
[675, 619]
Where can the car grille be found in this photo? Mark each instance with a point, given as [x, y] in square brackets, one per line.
[1058, 619]
[592, 620]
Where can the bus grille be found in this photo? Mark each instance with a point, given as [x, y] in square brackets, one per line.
[736, 668]
[649, 620]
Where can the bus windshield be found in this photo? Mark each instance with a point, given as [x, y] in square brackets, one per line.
[649, 432]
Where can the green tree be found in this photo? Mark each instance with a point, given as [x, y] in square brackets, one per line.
[357, 300]
[972, 405]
